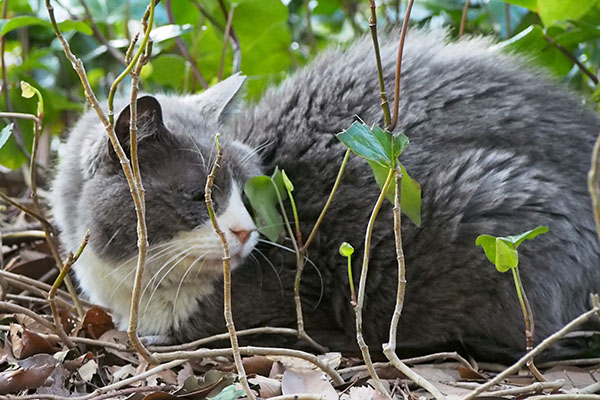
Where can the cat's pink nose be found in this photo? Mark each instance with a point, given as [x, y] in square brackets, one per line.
[242, 234]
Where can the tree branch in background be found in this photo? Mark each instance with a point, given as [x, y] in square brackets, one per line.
[120, 57]
[309, 32]
[572, 57]
[233, 39]
[183, 49]
[463, 20]
[399, 65]
[226, 36]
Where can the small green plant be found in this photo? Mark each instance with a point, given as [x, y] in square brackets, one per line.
[502, 252]
[347, 250]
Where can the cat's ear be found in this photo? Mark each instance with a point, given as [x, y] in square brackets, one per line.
[149, 122]
[224, 99]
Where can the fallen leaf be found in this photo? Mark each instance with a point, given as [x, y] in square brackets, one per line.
[119, 373]
[469, 374]
[268, 387]
[26, 343]
[277, 370]
[31, 377]
[96, 322]
[259, 365]
[303, 381]
[87, 370]
[184, 373]
[77, 362]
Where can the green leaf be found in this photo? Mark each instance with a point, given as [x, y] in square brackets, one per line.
[516, 240]
[19, 22]
[8, 25]
[529, 4]
[5, 134]
[167, 70]
[533, 44]
[488, 243]
[261, 192]
[346, 249]
[375, 144]
[229, 393]
[410, 197]
[410, 191]
[78, 26]
[165, 32]
[551, 11]
[27, 90]
[263, 199]
[506, 256]
[287, 182]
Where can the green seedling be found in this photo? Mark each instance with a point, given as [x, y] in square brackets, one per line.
[502, 252]
[381, 149]
[28, 92]
[347, 250]
[262, 192]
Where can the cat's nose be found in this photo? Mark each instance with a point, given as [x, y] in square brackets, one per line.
[242, 234]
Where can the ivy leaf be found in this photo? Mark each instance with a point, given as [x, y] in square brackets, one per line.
[516, 240]
[27, 90]
[262, 194]
[8, 25]
[410, 191]
[5, 134]
[499, 252]
[369, 144]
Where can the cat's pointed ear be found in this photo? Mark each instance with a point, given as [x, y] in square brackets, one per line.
[149, 122]
[223, 100]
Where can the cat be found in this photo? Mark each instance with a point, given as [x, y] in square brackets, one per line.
[497, 146]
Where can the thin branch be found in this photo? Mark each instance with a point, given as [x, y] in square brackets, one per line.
[233, 39]
[363, 284]
[183, 49]
[311, 36]
[226, 274]
[463, 19]
[593, 184]
[574, 59]
[227, 34]
[534, 387]
[15, 308]
[537, 350]
[16, 115]
[120, 57]
[399, 66]
[251, 351]
[384, 100]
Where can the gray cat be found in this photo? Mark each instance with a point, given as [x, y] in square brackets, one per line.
[496, 145]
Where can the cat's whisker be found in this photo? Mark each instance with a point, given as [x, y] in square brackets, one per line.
[162, 267]
[187, 271]
[272, 267]
[256, 150]
[126, 277]
[183, 257]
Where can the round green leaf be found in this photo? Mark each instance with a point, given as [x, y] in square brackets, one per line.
[346, 249]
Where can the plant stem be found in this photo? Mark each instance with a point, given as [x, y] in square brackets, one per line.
[573, 58]
[225, 40]
[226, 274]
[594, 184]
[311, 36]
[336, 184]
[362, 287]
[399, 66]
[463, 20]
[529, 322]
[384, 101]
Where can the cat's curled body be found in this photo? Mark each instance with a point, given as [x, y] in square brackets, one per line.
[497, 147]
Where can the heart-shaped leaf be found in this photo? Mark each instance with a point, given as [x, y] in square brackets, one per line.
[518, 239]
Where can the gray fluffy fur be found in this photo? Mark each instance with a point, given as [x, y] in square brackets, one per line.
[497, 147]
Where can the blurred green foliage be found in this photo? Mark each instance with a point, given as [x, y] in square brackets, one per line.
[273, 38]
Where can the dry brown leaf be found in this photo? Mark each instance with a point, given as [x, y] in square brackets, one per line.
[268, 387]
[88, 370]
[31, 324]
[26, 343]
[31, 377]
[305, 381]
[96, 322]
[359, 393]
[184, 373]
[77, 362]
[574, 377]
[277, 370]
[119, 373]
[469, 374]
[160, 396]
[119, 337]
[259, 365]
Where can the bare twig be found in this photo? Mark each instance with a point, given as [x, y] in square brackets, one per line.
[120, 57]
[399, 66]
[594, 184]
[183, 49]
[11, 307]
[537, 350]
[534, 387]
[311, 36]
[250, 351]
[226, 274]
[566, 397]
[228, 27]
[16, 115]
[71, 259]
[363, 284]
[463, 19]
[233, 39]
[574, 59]
[384, 100]
[389, 349]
